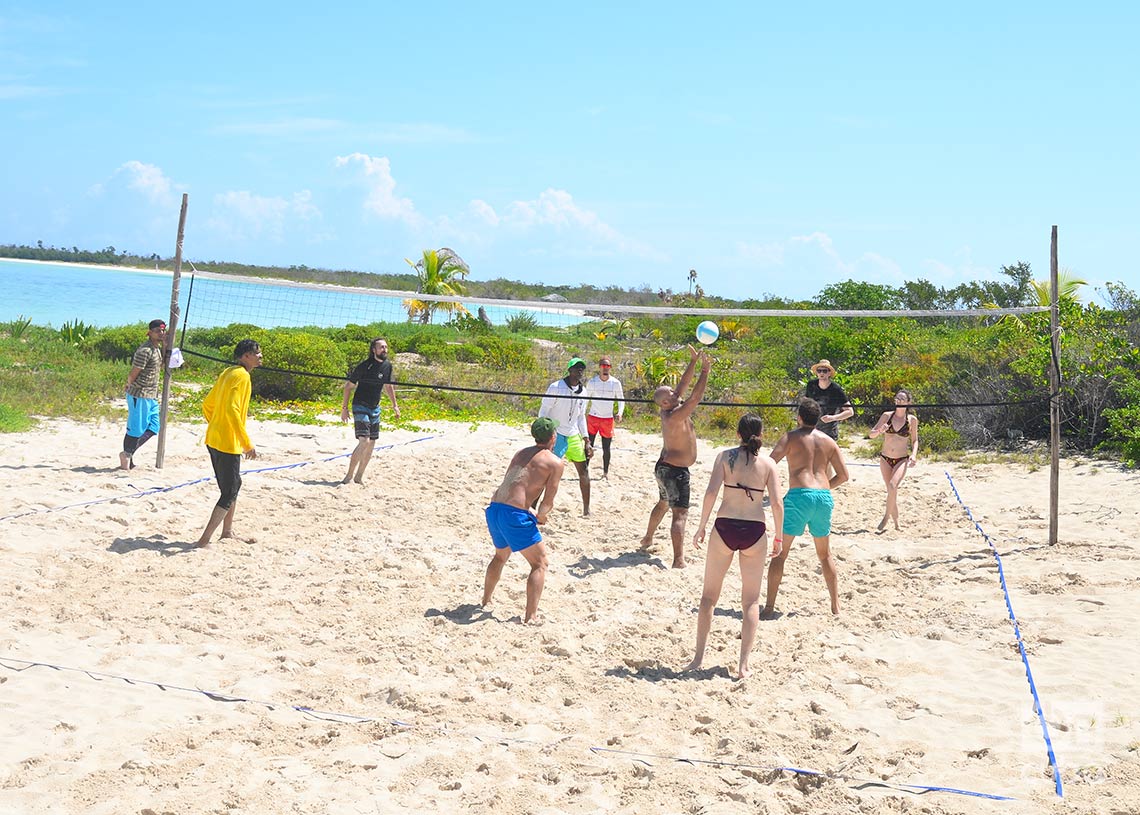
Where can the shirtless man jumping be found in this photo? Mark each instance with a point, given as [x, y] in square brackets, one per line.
[534, 471]
[678, 452]
[811, 455]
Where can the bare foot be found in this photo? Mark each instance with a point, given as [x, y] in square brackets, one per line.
[767, 611]
[679, 563]
[346, 480]
[202, 543]
[585, 513]
[124, 461]
[744, 672]
[646, 542]
[695, 665]
[882, 527]
[358, 480]
[537, 619]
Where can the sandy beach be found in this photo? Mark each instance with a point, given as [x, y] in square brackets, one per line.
[341, 664]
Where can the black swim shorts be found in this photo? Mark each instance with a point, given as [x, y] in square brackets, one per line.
[673, 484]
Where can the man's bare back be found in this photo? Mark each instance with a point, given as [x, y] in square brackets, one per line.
[812, 455]
[531, 471]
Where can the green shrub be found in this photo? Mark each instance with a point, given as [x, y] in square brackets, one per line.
[939, 437]
[118, 343]
[522, 322]
[436, 351]
[222, 338]
[13, 421]
[504, 353]
[301, 352]
[469, 353]
[76, 332]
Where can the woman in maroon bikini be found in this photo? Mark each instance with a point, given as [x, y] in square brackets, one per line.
[746, 474]
[899, 429]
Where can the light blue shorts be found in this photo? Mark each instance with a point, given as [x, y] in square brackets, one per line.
[809, 508]
[142, 415]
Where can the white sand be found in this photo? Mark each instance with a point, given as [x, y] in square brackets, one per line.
[361, 601]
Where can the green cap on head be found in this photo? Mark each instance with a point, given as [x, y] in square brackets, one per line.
[575, 361]
[543, 428]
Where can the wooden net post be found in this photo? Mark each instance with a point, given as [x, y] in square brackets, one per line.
[171, 329]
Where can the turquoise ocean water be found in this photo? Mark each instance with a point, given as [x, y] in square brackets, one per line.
[52, 294]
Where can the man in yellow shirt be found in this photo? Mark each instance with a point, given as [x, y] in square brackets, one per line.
[225, 409]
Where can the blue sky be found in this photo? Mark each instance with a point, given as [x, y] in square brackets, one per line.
[772, 149]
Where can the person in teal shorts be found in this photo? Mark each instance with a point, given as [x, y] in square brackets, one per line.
[815, 468]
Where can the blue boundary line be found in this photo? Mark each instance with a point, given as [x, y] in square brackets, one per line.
[350, 718]
[157, 490]
[1020, 644]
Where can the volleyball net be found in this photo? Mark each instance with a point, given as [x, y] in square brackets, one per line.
[981, 371]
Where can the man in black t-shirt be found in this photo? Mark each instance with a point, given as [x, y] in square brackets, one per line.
[833, 402]
[367, 381]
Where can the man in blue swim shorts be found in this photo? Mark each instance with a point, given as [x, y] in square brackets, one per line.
[812, 457]
[534, 472]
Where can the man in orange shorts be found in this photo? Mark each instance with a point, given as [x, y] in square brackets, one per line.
[603, 391]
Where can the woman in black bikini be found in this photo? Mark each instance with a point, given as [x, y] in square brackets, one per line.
[899, 429]
[745, 473]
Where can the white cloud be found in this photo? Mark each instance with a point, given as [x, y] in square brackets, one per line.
[149, 180]
[556, 209]
[382, 200]
[242, 215]
[484, 212]
[762, 254]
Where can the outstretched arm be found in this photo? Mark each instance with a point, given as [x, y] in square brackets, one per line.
[715, 482]
[880, 425]
[690, 404]
[687, 376]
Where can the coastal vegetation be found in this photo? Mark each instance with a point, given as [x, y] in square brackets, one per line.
[980, 382]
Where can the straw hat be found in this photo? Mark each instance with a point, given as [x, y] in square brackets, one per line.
[823, 363]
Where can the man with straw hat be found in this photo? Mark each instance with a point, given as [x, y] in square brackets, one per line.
[832, 400]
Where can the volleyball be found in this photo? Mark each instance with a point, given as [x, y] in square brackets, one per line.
[707, 332]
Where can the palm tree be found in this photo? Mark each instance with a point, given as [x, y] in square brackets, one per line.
[1068, 286]
[439, 272]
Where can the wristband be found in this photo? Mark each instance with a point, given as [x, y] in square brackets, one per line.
[778, 540]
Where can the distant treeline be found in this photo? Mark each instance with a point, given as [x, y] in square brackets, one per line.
[920, 294]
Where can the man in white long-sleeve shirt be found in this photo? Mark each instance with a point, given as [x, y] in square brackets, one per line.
[603, 390]
[565, 403]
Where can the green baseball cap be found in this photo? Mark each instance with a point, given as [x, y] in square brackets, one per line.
[543, 428]
[575, 361]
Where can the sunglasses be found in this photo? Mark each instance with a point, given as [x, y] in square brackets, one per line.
[824, 370]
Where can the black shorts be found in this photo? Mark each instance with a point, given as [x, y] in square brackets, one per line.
[673, 484]
[227, 470]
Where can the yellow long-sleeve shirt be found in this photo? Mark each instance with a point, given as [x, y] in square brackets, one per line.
[225, 409]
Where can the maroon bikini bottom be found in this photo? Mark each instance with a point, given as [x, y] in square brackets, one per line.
[737, 534]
